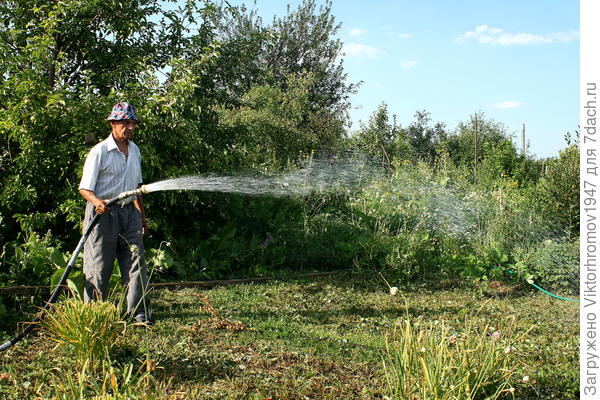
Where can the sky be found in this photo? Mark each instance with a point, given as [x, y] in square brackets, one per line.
[516, 61]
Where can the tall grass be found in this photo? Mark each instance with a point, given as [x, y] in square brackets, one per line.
[89, 330]
[113, 383]
[433, 363]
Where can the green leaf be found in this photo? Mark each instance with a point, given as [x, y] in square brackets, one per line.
[58, 258]
[76, 285]
[55, 279]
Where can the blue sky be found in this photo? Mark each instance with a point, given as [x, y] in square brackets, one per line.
[517, 61]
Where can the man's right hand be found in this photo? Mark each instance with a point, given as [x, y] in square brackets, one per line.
[99, 204]
[101, 207]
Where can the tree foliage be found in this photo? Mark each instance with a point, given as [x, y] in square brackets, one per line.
[382, 138]
[211, 100]
[298, 45]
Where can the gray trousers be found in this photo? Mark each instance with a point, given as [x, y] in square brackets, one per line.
[113, 237]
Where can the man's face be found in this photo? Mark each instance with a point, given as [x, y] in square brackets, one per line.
[123, 130]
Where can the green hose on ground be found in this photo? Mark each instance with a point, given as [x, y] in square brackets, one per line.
[530, 281]
[551, 294]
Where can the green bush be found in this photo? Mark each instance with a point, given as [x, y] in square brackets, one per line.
[32, 259]
[508, 220]
[418, 223]
[419, 226]
[557, 193]
[553, 266]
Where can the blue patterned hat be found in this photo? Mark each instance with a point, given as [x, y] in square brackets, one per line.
[123, 111]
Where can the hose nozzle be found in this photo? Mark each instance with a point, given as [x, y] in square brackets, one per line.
[137, 192]
[130, 193]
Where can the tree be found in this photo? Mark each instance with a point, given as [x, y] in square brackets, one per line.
[486, 148]
[461, 143]
[424, 139]
[62, 63]
[295, 46]
[90, 43]
[382, 138]
[303, 40]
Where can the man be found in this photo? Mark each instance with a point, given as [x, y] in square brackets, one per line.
[113, 166]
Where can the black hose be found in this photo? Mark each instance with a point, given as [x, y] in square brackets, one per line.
[62, 281]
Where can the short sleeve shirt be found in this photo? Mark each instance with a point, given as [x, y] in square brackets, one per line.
[108, 173]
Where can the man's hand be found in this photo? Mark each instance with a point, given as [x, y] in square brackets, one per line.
[101, 207]
[137, 203]
[99, 204]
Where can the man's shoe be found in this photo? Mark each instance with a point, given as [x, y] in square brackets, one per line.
[141, 320]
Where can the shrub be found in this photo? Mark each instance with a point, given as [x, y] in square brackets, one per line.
[432, 363]
[553, 265]
[419, 224]
[557, 191]
[33, 260]
[506, 218]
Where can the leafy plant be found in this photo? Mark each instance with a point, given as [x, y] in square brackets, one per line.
[557, 192]
[160, 260]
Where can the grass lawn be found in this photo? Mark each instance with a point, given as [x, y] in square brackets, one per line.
[321, 338]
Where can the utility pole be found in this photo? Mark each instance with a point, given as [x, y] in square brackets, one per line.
[475, 163]
[524, 145]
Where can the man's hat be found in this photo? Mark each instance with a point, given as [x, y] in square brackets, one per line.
[123, 111]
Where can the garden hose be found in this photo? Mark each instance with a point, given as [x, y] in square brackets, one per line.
[532, 283]
[68, 268]
[552, 294]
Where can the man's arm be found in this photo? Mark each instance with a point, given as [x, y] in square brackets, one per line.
[140, 206]
[92, 198]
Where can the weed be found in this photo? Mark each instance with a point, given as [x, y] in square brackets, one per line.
[216, 321]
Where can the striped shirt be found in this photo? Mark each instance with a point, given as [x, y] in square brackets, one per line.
[108, 173]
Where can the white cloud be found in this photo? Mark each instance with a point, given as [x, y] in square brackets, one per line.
[357, 32]
[508, 104]
[405, 36]
[408, 64]
[358, 50]
[488, 35]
